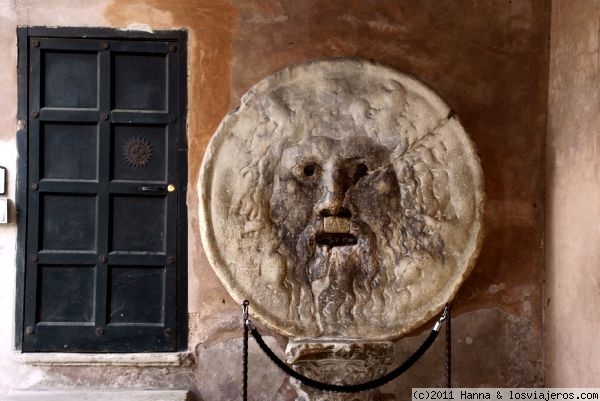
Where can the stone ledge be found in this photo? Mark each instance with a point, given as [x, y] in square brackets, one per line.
[158, 359]
[89, 395]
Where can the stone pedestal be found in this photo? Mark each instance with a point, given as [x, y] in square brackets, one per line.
[338, 362]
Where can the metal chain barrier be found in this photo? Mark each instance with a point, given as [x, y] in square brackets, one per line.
[352, 388]
[448, 348]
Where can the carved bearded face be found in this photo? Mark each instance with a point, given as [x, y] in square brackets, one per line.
[342, 199]
[330, 199]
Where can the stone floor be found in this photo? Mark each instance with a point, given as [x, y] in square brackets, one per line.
[62, 395]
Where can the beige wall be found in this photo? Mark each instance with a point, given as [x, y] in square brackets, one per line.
[573, 197]
[488, 60]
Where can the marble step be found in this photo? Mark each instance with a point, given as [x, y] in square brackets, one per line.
[98, 395]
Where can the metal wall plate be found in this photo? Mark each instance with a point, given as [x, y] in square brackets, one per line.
[3, 211]
[2, 180]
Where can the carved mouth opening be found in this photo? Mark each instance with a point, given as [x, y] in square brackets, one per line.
[335, 239]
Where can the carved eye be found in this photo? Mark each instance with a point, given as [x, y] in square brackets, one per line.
[361, 170]
[306, 171]
[309, 170]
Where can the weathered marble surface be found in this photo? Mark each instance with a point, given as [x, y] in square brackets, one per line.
[343, 199]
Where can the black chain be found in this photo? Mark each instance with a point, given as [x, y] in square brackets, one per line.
[353, 388]
[449, 349]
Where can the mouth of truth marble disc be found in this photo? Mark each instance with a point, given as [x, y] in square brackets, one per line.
[342, 199]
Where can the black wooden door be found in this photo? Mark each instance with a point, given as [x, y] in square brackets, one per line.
[101, 269]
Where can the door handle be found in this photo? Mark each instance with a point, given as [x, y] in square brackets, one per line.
[155, 190]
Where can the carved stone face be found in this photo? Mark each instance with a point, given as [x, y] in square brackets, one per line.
[330, 197]
[341, 199]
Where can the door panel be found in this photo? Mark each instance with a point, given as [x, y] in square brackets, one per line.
[68, 222]
[139, 224]
[139, 81]
[66, 293]
[69, 79]
[70, 151]
[137, 294]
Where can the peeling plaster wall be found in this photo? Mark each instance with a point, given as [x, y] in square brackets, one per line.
[488, 60]
[573, 197]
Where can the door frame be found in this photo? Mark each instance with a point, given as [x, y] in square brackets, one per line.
[23, 42]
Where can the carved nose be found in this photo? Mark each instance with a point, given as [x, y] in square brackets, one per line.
[333, 196]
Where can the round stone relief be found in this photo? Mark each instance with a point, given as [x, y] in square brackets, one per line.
[342, 199]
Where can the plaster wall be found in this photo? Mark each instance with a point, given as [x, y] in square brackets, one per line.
[488, 60]
[572, 345]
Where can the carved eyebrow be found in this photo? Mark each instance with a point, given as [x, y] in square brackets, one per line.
[298, 154]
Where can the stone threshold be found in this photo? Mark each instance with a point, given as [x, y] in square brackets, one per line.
[95, 395]
[154, 359]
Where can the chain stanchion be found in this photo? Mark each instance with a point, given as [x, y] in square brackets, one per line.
[449, 348]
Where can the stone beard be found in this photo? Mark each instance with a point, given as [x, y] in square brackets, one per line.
[347, 209]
